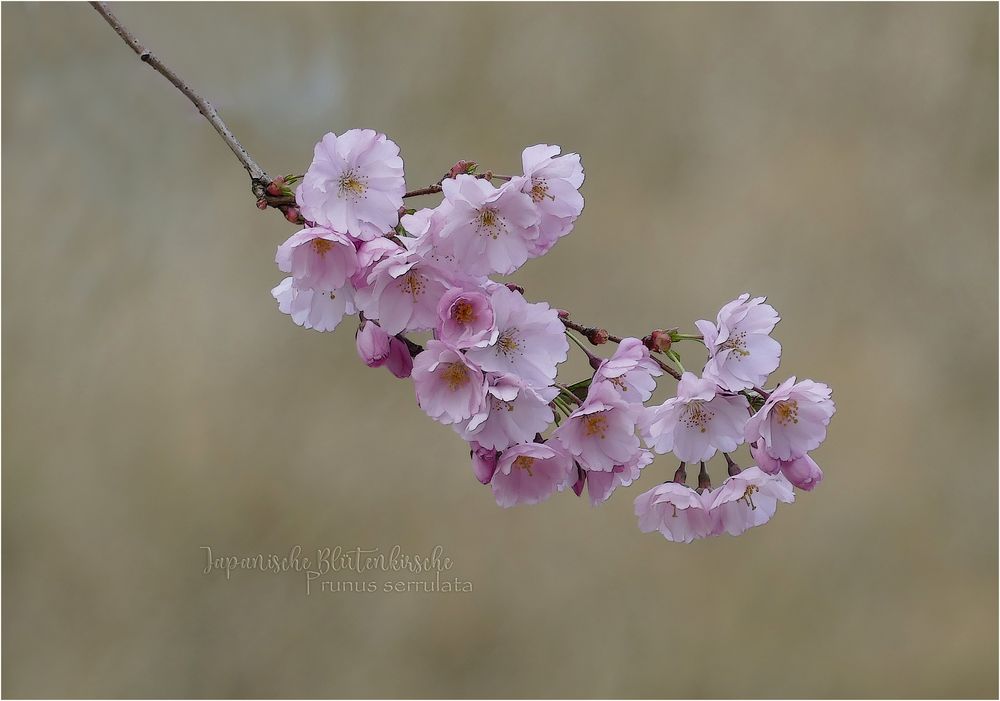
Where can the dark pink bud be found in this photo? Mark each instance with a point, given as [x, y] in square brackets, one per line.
[461, 168]
[261, 203]
[598, 336]
[484, 462]
[563, 314]
[274, 188]
[658, 340]
[399, 362]
[373, 344]
[292, 215]
[581, 480]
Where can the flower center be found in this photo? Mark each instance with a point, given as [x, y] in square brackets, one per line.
[595, 425]
[507, 343]
[738, 345]
[413, 285]
[523, 462]
[748, 496]
[540, 190]
[619, 382]
[321, 246]
[463, 312]
[788, 412]
[456, 375]
[500, 405]
[352, 185]
[490, 223]
[696, 415]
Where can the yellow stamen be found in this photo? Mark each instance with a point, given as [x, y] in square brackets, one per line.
[321, 246]
[788, 412]
[595, 425]
[456, 375]
[523, 462]
[463, 312]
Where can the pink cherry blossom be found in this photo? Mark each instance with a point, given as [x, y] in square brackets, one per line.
[354, 184]
[512, 413]
[529, 473]
[369, 254]
[553, 183]
[679, 513]
[631, 370]
[318, 259]
[600, 434]
[488, 229]
[449, 388]
[600, 485]
[484, 462]
[697, 422]
[793, 420]
[749, 499]
[373, 344]
[530, 340]
[741, 354]
[399, 362]
[465, 318]
[403, 293]
[320, 310]
[802, 472]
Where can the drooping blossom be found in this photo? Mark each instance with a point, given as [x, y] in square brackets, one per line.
[318, 259]
[466, 319]
[697, 422]
[484, 462]
[488, 229]
[600, 485]
[600, 434]
[320, 310]
[403, 293]
[399, 362]
[369, 254]
[679, 513]
[529, 473]
[449, 388]
[802, 472]
[741, 352]
[512, 413]
[354, 184]
[793, 420]
[631, 370]
[373, 344]
[530, 340]
[749, 499]
[553, 183]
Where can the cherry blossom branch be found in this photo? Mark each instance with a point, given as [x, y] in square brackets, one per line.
[462, 167]
[598, 336]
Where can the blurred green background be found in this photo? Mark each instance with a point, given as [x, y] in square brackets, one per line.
[841, 159]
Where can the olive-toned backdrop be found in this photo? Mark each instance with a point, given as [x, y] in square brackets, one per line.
[841, 159]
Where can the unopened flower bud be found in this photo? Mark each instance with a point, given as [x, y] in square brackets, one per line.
[581, 480]
[261, 203]
[274, 188]
[292, 215]
[373, 344]
[462, 168]
[563, 314]
[484, 462]
[400, 361]
[598, 336]
[658, 340]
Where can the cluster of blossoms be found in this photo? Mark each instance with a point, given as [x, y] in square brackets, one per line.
[488, 367]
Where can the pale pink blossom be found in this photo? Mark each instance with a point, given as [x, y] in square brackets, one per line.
[680, 514]
[320, 310]
[697, 422]
[631, 370]
[802, 472]
[553, 183]
[403, 293]
[600, 434]
[530, 340]
[466, 319]
[600, 485]
[748, 499]
[369, 254]
[741, 352]
[484, 462]
[449, 388]
[793, 420]
[488, 229]
[512, 413]
[529, 473]
[354, 184]
[373, 344]
[318, 259]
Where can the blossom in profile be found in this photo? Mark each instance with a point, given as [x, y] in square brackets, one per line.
[679, 513]
[529, 473]
[484, 462]
[512, 413]
[449, 388]
[318, 259]
[372, 344]
[600, 485]
[553, 184]
[488, 229]
[403, 293]
[530, 339]
[631, 370]
[320, 310]
[399, 362]
[802, 472]
[354, 184]
[697, 422]
[600, 433]
[749, 499]
[793, 420]
[741, 353]
[466, 319]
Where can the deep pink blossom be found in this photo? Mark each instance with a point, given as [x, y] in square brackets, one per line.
[793, 420]
[631, 370]
[403, 293]
[748, 499]
[741, 352]
[553, 183]
[600, 434]
[488, 229]
[399, 362]
[354, 184]
[697, 422]
[600, 485]
[449, 388]
[466, 319]
[529, 473]
[802, 472]
[512, 413]
[679, 513]
[530, 339]
[318, 259]
[320, 310]
[484, 462]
